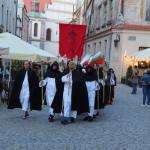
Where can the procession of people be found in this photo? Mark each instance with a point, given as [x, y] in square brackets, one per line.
[76, 89]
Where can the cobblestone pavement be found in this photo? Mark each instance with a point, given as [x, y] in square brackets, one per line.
[123, 126]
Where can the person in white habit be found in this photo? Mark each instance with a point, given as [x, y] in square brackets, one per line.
[68, 114]
[25, 91]
[54, 90]
[92, 86]
[75, 96]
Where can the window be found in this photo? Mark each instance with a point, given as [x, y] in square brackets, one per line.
[7, 22]
[48, 35]
[94, 47]
[35, 6]
[122, 7]
[35, 29]
[99, 17]
[2, 14]
[148, 11]
[105, 12]
[100, 46]
[111, 9]
[105, 47]
[89, 48]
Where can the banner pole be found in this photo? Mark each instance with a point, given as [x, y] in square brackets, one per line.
[103, 83]
[42, 77]
[98, 96]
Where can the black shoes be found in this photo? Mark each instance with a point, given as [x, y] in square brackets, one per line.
[88, 118]
[51, 118]
[67, 121]
[95, 115]
[72, 120]
[26, 114]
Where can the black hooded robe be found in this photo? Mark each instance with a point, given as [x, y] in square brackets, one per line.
[80, 100]
[57, 101]
[35, 92]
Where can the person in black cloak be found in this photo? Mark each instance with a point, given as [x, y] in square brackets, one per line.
[100, 95]
[92, 86]
[109, 83]
[54, 90]
[113, 76]
[26, 93]
[75, 96]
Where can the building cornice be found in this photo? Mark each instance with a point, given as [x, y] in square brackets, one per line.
[59, 11]
[64, 2]
[131, 27]
[123, 28]
[99, 35]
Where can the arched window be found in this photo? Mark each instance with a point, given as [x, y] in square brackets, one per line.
[48, 35]
[35, 29]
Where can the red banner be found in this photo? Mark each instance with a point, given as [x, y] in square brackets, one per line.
[71, 40]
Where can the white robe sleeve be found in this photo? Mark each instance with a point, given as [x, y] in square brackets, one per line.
[112, 81]
[66, 78]
[43, 82]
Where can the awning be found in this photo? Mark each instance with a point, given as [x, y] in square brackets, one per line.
[143, 55]
[21, 50]
[4, 50]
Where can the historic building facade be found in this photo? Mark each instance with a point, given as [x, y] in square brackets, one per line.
[13, 18]
[8, 16]
[44, 23]
[22, 21]
[117, 28]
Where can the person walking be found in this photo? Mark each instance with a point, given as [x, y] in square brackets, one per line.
[135, 80]
[146, 87]
[26, 93]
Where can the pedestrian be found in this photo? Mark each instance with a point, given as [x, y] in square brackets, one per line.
[54, 90]
[100, 93]
[146, 87]
[92, 85]
[26, 93]
[135, 80]
[113, 77]
[75, 96]
[109, 83]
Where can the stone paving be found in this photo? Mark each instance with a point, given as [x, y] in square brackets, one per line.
[123, 126]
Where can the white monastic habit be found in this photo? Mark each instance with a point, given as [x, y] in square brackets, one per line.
[91, 88]
[67, 80]
[24, 94]
[50, 92]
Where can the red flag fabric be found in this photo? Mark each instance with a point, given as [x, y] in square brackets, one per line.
[71, 40]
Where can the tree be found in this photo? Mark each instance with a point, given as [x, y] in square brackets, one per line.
[129, 73]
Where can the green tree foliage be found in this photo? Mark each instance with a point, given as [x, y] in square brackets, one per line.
[129, 73]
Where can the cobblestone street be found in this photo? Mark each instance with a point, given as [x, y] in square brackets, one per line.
[123, 126]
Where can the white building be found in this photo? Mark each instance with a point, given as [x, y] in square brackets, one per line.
[44, 27]
[117, 28]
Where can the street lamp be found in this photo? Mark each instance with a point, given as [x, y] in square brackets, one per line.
[117, 40]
